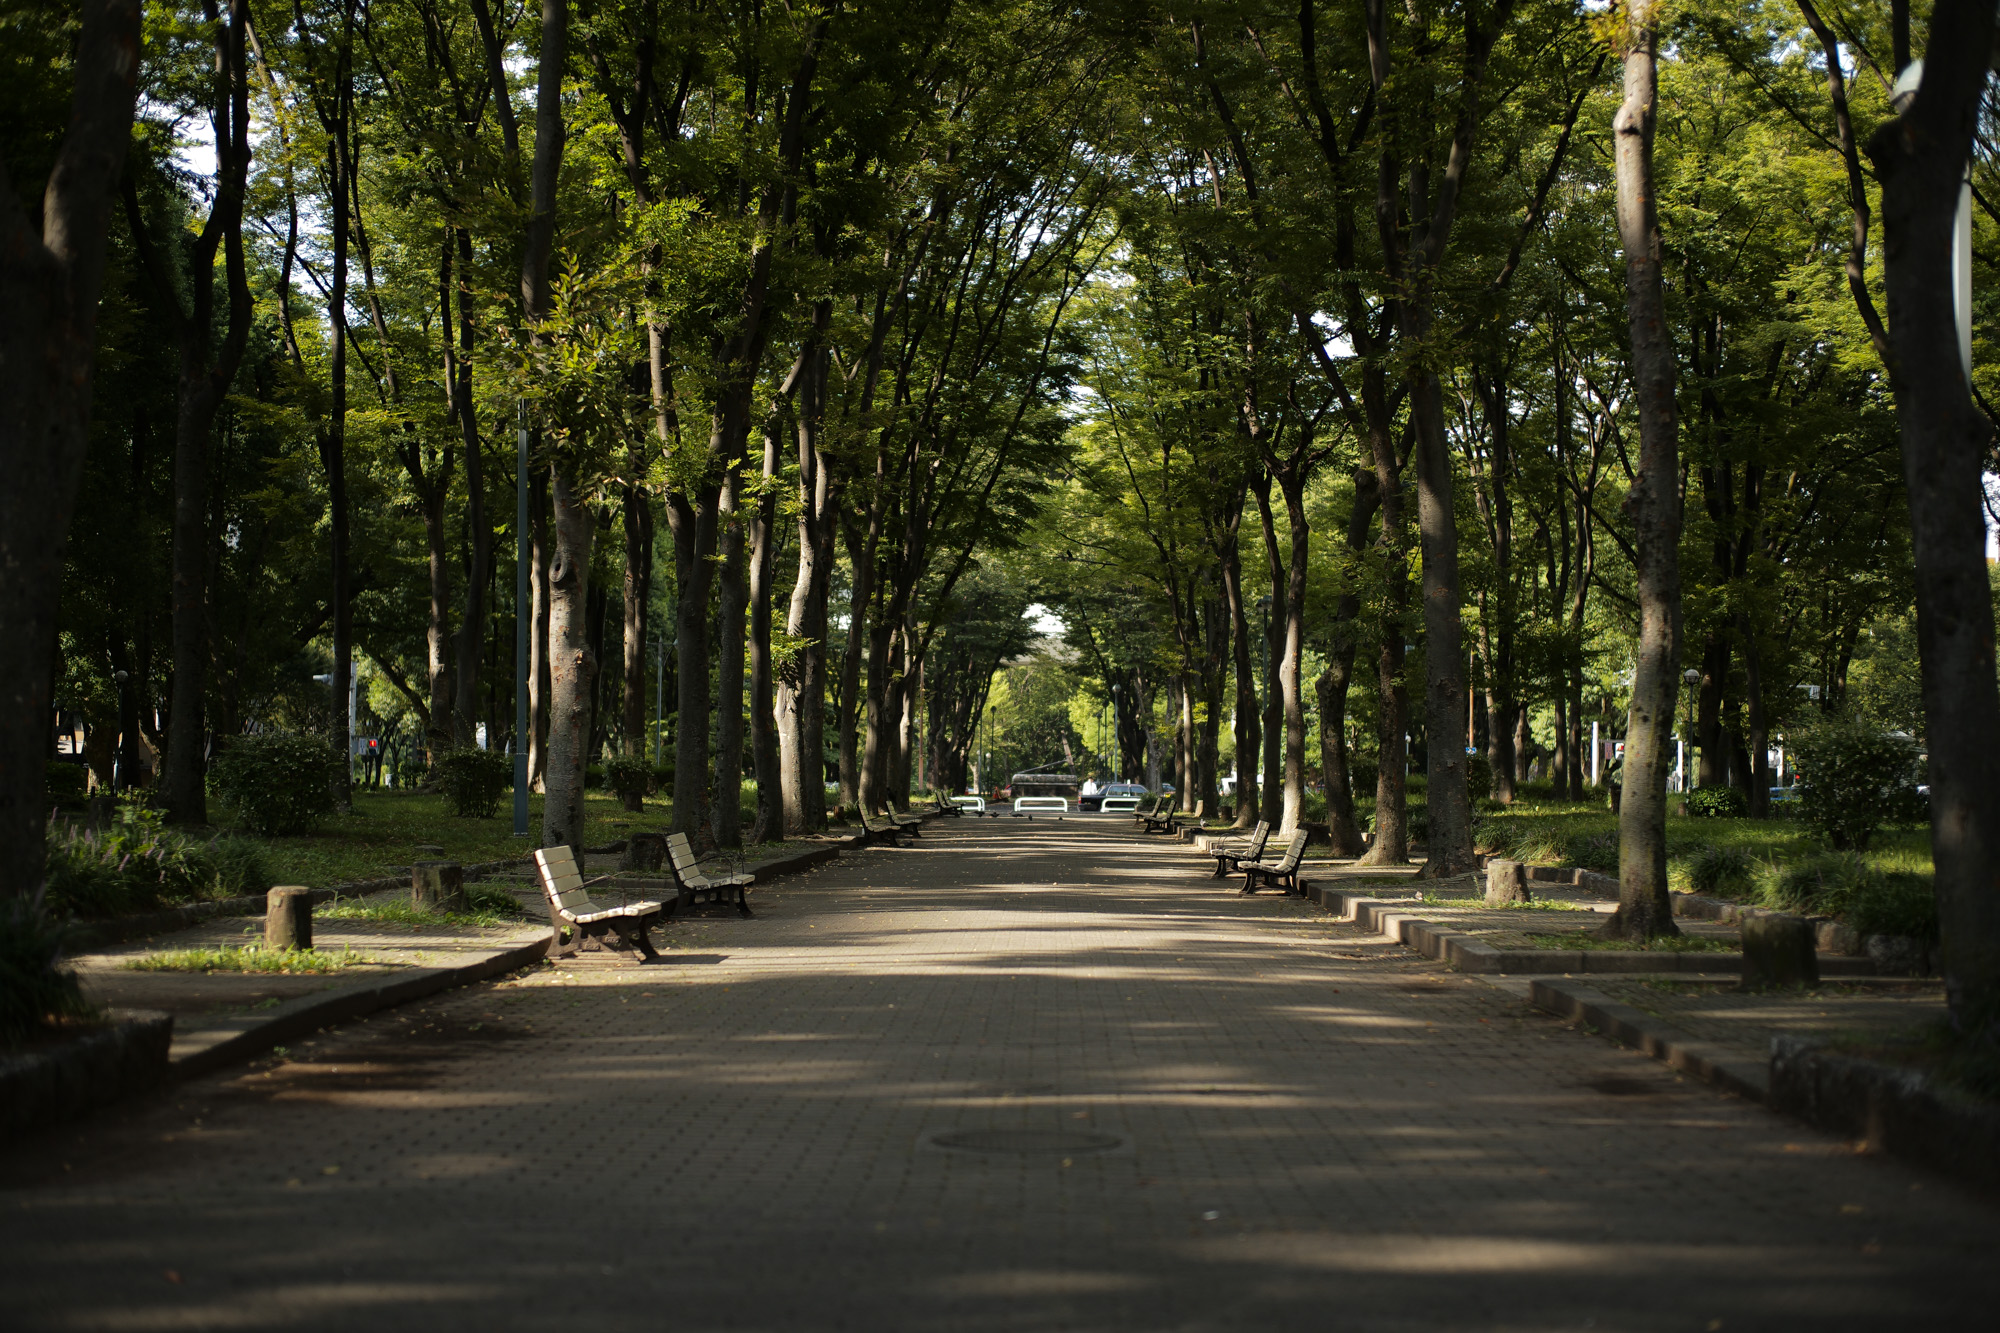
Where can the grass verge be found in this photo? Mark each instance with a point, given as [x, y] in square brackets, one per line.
[1585, 939]
[248, 958]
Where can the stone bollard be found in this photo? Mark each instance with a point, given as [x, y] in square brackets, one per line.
[438, 886]
[288, 918]
[1778, 951]
[1506, 882]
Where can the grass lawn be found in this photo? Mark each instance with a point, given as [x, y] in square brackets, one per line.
[1586, 834]
[386, 827]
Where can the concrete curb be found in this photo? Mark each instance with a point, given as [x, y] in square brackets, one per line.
[1895, 1111]
[1467, 953]
[1578, 1003]
[201, 1050]
[61, 1082]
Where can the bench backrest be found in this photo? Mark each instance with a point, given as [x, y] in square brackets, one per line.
[1294, 853]
[562, 882]
[1258, 837]
[681, 852]
[1027, 803]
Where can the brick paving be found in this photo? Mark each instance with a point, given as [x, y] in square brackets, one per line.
[1305, 1130]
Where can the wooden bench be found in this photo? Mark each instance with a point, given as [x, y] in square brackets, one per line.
[882, 831]
[910, 824]
[1231, 854]
[572, 911]
[1282, 873]
[696, 887]
[1172, 821]
[1140, 817]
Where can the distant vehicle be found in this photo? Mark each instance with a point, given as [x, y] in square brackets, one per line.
[1095, 800]
[1784, 794]
[1037, 783]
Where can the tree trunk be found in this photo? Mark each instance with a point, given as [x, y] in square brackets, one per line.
[638, 619]
[694, 544]
[438, 736]
[860, 560]
[1249, 729]
[538, 634]
[206, 372]
[480, 569]
[335, 458]
[732, 597]
[1449, 838]
[1342, 827]
[1644, 908]
[1291, 659]
[769, 825]
[49, 288]
[1921, 158]
[802, 683]
[570, 665]
[1391, 842]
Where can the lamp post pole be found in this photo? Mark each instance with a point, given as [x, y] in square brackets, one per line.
[523, 613]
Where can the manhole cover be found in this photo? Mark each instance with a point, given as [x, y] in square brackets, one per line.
[1055, 1142]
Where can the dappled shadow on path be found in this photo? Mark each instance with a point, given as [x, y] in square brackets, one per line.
[1306, 1130]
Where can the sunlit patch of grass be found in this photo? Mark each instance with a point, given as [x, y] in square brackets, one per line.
[248, 958]
[491, 907]
[1585, 939]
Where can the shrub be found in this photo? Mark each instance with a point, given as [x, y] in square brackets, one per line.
[1819, 885]
[135, 865]
[1888, 903]
[631, 778]
[35, 985]
[239, 868]
[1725, 872]
[1718, 802]
[277, 782]
[474, 780]
[1593, 851]
[1853, 778]
[65, 783]
[1478, 777]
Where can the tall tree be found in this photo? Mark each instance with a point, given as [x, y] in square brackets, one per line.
[51, 272]
[1644, 909]
[1921, 157]
[207, 370]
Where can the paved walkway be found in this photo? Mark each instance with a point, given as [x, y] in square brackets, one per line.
[1238, 1114]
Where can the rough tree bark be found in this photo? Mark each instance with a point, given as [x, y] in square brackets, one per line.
[1921, 158]
[49, 285]
[638, 601]
[802, 681]
[732, 598]
[1644, 908]
[769, 825]
[1343, 831]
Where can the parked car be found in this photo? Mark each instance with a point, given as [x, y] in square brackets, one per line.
[1095, 800]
